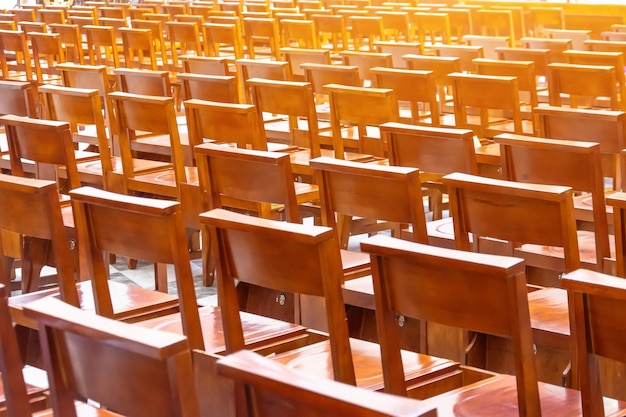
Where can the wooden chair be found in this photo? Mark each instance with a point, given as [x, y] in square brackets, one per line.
[434, 25]
[412, 86]
[264, 31]
[72, 42]
[594, 300]
[366, 27]
[577, 36]
[102, 46]
[435, 151]
[297, 56]
[145, 82]
[608, 128]
[398, 50]
[254, 68]
[15, 56]
[524, 71]
[461, 21]
[600, 81]
[614, 59]
[29, 27]
[155, 116]
[47, 52]
[217, 35]
[25, 15]
[396, 26]
[556, 46]
[294, 100]
[18, 398]
[219, 188]
[573, 164]
[496, 22]
[264, 380]
[488, 43]
[183, 36]
[320, 75]
[331, 28]
[365, 61]
[19, 98]
[487, 92]
[299, 33]
[218, 88]
[465, 53]
[49, 16]
[139, 49]
[158, 36]
[205, 65]
[303, 245]
[365, 109]
[132, 353]
[441, 67]
[395, 261]
[37, 226]
[546, 17]
[540, 57]
[605, 46]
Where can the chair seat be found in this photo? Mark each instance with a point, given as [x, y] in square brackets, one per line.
[549, 317]
[584, 209]
[355, 264]
[315, 361]
[498, 397]
[258, 331]
[130, 303]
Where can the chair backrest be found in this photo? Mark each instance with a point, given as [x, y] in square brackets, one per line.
[465, 53]
[600, 81]
[291, 98]
[157, 29]
[254, 68]
[205, 65]
[139, 48]
[297, 56]
[102, 45]
[556, 46]
[362, 107]
[18, 98]
[263, 30]
[595, 301]
[488, 43]
[254, 250]
[224, 34]
[413, 86]
[41, 141]
[265, 381]
[357, 189]
[229, 176]
[141, 228]
[365, 61]
[523, 70]
[71, 40]
[541, 57]
[220, 88]
[552, 161]
[74, 343]
[144, 82]
[435, 151]
[320, 75]
[187, 36]
[441, 66]
[47, 52]
[224, 122]
[15, 56]
[608, 128]
[152, 114]
[494, 208]
[34, 212]
[79, 107]
[433, 25]
[408, 280]
[486, 92]
[398, 50]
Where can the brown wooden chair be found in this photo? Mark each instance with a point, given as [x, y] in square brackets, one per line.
[18, 398]
[331, 28]
[434, 26]
[263, 31]
[364, 28]
[297, 56]
[488, 43]
[132, 353]
[298, 33]
[365, 109]
[408, 281]
[398, 50]
[220, 88]
[144, 82]
[600, 81]
[365, 61]
[217, 37]
[71, 40]
[440, 66]
[487, 93]
[264, 242]
[139, 49]
[102, 46]
[158, 35]
[47, 53]
[435, 151]
[526, 79]
[49, 15]
[413, 87]
[556, 46]
[265, 381]
[541, 58]
[255, 68]
[19, 98]
[320, 75]
[205, 65]
[184, 37]
[465, 53]
[595, 299]
[15, 56]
